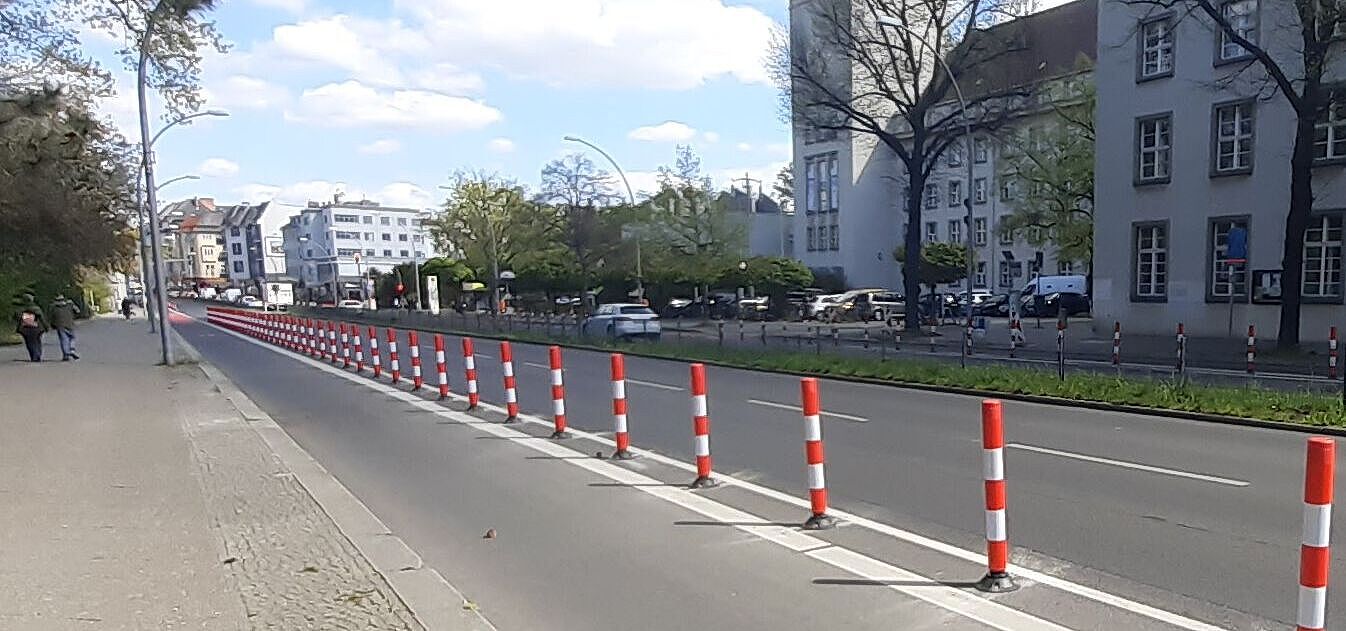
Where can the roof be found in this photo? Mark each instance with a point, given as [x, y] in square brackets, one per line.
[1042, 46]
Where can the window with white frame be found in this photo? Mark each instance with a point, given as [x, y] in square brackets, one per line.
[346, 218]
[931, 232]
[953, 156]
[1241, 16]
[347, 235]
[1234, 137]
[369, 219]
[1156, 48]
[388, 253]
[955, 193]
[1322, 257]
[1009, 188]
[932, 195]
[955, 231]
[1151, 257]
[1065, 267]
[1329, 132]
[1006, 236]
[401, 221]
[979, 231]
[979, 279]
[834, 242]
[1154, 148]
[1224, 275]
[980, 150]
[979, 190]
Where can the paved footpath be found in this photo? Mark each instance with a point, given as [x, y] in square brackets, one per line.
[139, 497]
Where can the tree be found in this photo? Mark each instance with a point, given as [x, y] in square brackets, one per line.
[770, 275]
[489, 222]
[784, 188]
[39, 47]
[581, 198]
[1298, 71]
[1054, 173]
[451, 274]
[940, 263]
[848, 71]
[689, 224]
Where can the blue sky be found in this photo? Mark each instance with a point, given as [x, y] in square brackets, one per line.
[388, 98]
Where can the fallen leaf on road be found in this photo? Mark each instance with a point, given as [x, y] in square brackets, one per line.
[490, 534]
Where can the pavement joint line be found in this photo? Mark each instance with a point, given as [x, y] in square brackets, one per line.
[795, 408]
[1177, 473]
[422, 589]
[963, 603]
[654, 384]
[1042, 578]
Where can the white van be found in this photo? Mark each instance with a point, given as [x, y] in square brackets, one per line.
[1047, 285]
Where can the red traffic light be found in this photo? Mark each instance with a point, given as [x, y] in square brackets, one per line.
[401, 288]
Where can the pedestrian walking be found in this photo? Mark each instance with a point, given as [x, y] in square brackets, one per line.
[127, 304]
[61, 314]
[30, 325]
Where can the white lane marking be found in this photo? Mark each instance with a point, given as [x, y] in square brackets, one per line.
[961, 602]
[795, 408]
[652, 384]
[483, 355]
[906, 536]
[1130, 465]
[537, 365]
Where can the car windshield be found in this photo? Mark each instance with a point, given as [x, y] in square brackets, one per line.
[636, 311]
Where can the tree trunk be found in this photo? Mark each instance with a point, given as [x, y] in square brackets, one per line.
[1296, 222]
[911, 264]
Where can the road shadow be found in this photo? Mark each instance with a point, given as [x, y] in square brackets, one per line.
[866, 582]
[736, 523]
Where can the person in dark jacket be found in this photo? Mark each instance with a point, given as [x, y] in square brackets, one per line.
[30, 325]
[62, 314]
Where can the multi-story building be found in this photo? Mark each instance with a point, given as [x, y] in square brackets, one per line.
[329, 244]
[850, 189]
[766, 228]
[254, 244]
[196, 254]
[1193, 143]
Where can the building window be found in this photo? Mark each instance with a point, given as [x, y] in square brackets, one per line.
[369, 236]
[1154, 147]
[955, 193]
[953, 156]
[1329, 133]
[955, 231]
[932, 195]
[385, 221]
[238, 267]
[979, 190]
[388, 253]
[386, 236]
[402, 237]
[823, 185]
[1065, 267]
[417, 238]
[346, 218]
[1151, 257]
[1241, 15]
[404, 254]
[308, 253]
[1322, 257]
[420, 255]
[931, 232]
[1006, 237]
[401, 221]
[233, 231]
[813, 135]
[237, 248]
[980, 150]
[355, 236]
[348, 251]
[1009, 188]
[1234, 137]
[1156, 48]
[367, 219]
[979, 279]
[836, 237]
[1220, 273]
[812, 238]
[369, 253]
[979, 231]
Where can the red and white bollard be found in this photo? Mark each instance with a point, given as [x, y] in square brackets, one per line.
[701, 429]
[1332, 353]
[997, 577]
[313, 348]
[394, 366]
[813, 453]
[441, 367]
[623, 451]
[345, 346]
[374, 352]
[1252, 349]
[1314, 552]
[1116, 343]
[511, 392]
[470, 374]
[359, 348]
[414, 347]
[558, 393]
[333, 353]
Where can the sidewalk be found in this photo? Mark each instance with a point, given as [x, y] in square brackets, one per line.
[137, 497]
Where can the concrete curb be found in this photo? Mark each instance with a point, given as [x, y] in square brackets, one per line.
[1009, 396]
[434, 602]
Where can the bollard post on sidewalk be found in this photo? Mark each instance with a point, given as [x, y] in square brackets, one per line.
[1252, 349]
[414, 349]
[374, 352]
[1061, 350]
[836, 337]
[558, 393]
[511, 390]
[470, 374]
[997, 577]
[334, 354]
[345, 346]
[813, 455]
[1182, 350]
[740, 329]
[1314, 551]
[719, 328]
[359, 348]
[763, 334]
[1117, 344]
[441, 367]
[1332, 353]
[394, 366]
[865, 341]
[623, 438]
[701, 429]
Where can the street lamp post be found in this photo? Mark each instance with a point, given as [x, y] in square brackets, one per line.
[968, 148]
[631, 196]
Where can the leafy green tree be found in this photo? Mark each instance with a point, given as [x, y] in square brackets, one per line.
[688, 225]
[40, 47]
[488, 222]
[784, 188]
[1054, 172]
[581, 202]
[770, 275]
[451, 274]
[940, 263]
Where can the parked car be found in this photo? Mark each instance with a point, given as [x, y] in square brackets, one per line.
[620, 321]
[853, 305]
[758, 308]
[978, 296]
[796, 302]
[682, 307]
[351, 304]
[1074, 304]
[886, 306]
[250, 301]
[996, 305]
[818, 306]
[722, 305]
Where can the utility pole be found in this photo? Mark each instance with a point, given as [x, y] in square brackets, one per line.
[752, 211]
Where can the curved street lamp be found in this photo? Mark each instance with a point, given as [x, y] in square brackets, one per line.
[640, 277]
[178, 179]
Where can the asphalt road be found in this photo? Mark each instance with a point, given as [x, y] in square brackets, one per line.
[1198, 519]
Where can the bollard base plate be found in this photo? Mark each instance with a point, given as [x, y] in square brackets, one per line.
[704, 482]
[623, 455]
[997, 583]
[560, 435]
[820, 522]
[511, 420]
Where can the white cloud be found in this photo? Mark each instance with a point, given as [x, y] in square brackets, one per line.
[289, 6]
[668, 131]
[765, 173]
[218, 167]
[404, 195]
[299, 194]
[644, 183]
[501, 145]
[349, 44]
[383, 146]
[352, 104]
[743, 146]
[710, 136]
[255, 193]
[447, 78]
[245, 92]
